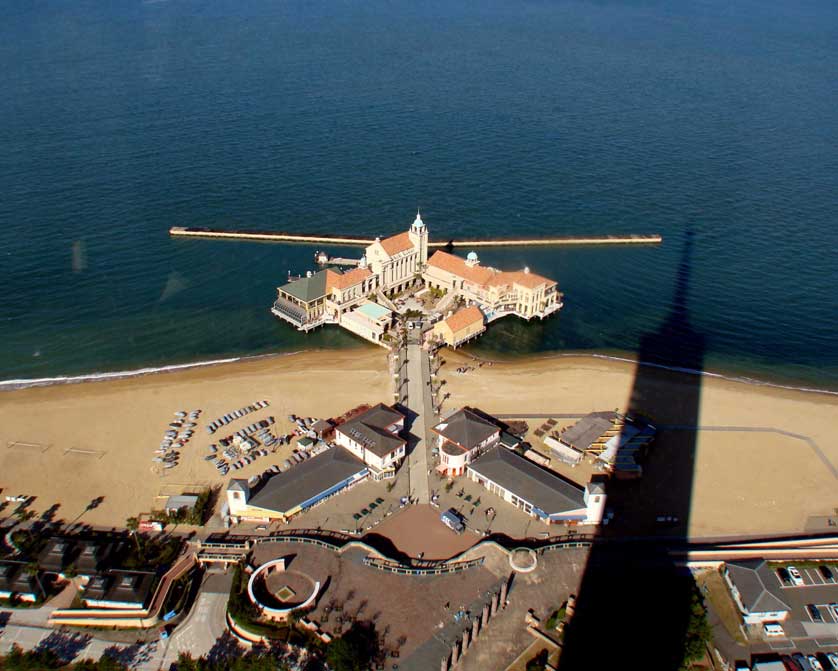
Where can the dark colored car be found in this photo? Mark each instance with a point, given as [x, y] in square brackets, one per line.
[826, 573]
[784, 576]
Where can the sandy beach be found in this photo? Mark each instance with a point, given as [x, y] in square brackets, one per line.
[121, 422]
[749, 477]
[70, 444]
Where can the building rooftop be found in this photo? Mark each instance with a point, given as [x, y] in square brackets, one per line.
[133, 587]
[542, 488]
[57, 555]
[370, 429]
[397, 243]
[466, 428]
[182, 501]
[13, 578]
[483, 276]
[464, 318]
[374, 311]
[296, 486]
[752, 578]
[588, 429]
[336, 279]
[308, 289]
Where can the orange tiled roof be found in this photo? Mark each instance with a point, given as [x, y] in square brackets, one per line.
[529, 280]
[485, 276]
[397, 243]
[343, 280]
[464, 318]
[457, 266]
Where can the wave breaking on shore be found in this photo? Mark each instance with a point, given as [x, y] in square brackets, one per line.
[9, 385]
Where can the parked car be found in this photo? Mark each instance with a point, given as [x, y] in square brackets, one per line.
[784, 576]
[814, 663]
[814, 612]
[826, 573]
[833, 659]
[795, 576]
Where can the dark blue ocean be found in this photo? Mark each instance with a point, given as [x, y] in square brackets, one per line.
[712, 119]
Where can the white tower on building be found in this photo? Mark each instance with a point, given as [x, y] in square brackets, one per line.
[419, 238]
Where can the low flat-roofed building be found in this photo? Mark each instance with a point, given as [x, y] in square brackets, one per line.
[461, 437]
[181, 501]
[117, 589]
[373, 437]
[535, 490]
[756, 591]
[299, 488]
[16, 582]
[369, 320]
[58, 555]
[93, 557]
[460, 327]
[617, 442]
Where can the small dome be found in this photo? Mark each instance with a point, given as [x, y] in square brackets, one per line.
[472, 256]
[418, 223]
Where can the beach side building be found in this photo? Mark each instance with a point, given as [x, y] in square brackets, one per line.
[538, 492]
[755, 590]
[373, 437]
[119, 590]
[297, 489]
[497, 293]
[370, 321]
[397, 261]
[322, 297]
[460, 327]
[615, 442]
[16, 582]
[461, 437]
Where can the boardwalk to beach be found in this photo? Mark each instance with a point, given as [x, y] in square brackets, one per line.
[419, 402]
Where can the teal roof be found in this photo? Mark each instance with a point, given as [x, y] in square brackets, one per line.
[374, 311]
[307, 289]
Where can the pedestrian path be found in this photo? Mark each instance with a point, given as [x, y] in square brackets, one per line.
[419, 401]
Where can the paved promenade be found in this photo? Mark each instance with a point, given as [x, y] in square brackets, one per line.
[419, 402]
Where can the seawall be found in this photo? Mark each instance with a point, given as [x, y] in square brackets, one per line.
[325, 239]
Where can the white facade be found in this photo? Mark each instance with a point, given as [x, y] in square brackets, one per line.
[396, 260]
[389, 460]
[747, 616]
[595, 499]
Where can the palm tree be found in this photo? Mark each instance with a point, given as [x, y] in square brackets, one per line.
[133, 525]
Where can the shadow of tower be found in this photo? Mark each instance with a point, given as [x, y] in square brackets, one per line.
[633, 605]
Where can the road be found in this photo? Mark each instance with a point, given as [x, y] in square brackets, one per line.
[205, 624]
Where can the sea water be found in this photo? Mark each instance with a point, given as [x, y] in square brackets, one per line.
[711, 121]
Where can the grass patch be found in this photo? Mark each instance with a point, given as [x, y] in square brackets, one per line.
[556, 617]
[712, 584]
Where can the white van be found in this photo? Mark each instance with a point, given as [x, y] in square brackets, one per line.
[773, 629]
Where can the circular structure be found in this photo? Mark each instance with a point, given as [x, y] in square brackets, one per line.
[277, 591]
[523, 560]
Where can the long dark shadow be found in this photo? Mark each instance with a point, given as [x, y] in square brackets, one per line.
[634, 603]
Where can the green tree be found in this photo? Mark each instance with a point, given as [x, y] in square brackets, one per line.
[355, 650]
[31, 660]
[133, 525]
[698, 631]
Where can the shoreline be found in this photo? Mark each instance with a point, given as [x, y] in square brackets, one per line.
[28, 383]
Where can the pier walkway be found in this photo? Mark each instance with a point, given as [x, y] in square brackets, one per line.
[419, 401]
[350, 240]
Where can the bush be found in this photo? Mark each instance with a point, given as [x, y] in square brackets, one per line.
[698, 631]
[355, 650]
[31, 660]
